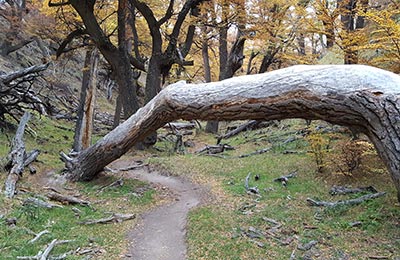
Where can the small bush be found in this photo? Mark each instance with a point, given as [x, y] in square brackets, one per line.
[350, 154]
[319, 147]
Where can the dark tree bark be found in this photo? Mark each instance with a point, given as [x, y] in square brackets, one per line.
[269, 58]
[228, 64]
[161, 60]
[206, 57]
[212, 126]
[84, 124]
[250, 63]
[117, 57]
[357, 96]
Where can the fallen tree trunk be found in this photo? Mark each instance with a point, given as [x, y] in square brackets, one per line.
[361, 97]
[16, 158]
[349, 202]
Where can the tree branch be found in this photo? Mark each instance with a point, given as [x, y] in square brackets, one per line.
[23, 72]
[62, 3]
[68, 39]
[168, 13]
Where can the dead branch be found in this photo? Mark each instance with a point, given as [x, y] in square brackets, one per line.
[250, 125]
[250, 189]
[31, 157]
[341, 190]
[114, 218]
[132, 167]
[38, 236]
[7, 78]
[16, 158]
[350, 202]
[285, 178]
[39, 203]
[117, 183]
[307, 246]
[66, 199]
[180, 126]
[273, 222]
[214, 149]
[44, 254]
[265, 150]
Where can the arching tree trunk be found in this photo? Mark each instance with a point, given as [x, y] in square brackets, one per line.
[357, 96]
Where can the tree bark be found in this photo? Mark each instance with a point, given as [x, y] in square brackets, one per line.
[84, 124]
[16, 157]
[357, 96]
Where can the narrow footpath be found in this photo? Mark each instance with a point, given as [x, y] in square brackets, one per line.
[161, 233]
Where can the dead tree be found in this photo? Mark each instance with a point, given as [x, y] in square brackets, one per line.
[84, 124]
[356, 96]
[16, 92]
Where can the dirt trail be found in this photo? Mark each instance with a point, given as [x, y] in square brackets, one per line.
[161, 233]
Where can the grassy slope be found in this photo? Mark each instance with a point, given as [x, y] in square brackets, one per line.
[108, 241]
[214, 229]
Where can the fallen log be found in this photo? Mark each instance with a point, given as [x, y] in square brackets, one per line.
[341, 190]
[356, 96]
[250, 125]
[66, 199]
[350, 202]
[17, 158]
[214, 149]
[114, 218]
[180, 126]
[261, 151]
[40, 203]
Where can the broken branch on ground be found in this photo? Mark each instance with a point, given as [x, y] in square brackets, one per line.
[114, 218]
[349, 202]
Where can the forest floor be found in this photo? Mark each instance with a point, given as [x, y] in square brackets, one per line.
[224, 220]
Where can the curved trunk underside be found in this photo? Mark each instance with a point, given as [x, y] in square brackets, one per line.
[357, 96]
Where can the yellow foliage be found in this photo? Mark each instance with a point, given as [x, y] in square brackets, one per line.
[384, 37]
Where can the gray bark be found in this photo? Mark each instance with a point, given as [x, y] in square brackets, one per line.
[357, 96]
[16, 157]
[84, 124]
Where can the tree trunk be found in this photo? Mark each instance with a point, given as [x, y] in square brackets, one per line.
[206, 60]
[117, 112]
[357, 96]
[84, 124]
[153, 80]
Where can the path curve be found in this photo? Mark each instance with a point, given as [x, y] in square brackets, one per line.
[161, 233]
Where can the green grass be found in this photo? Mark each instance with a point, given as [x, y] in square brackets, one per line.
[51, 137]
[214, 229]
